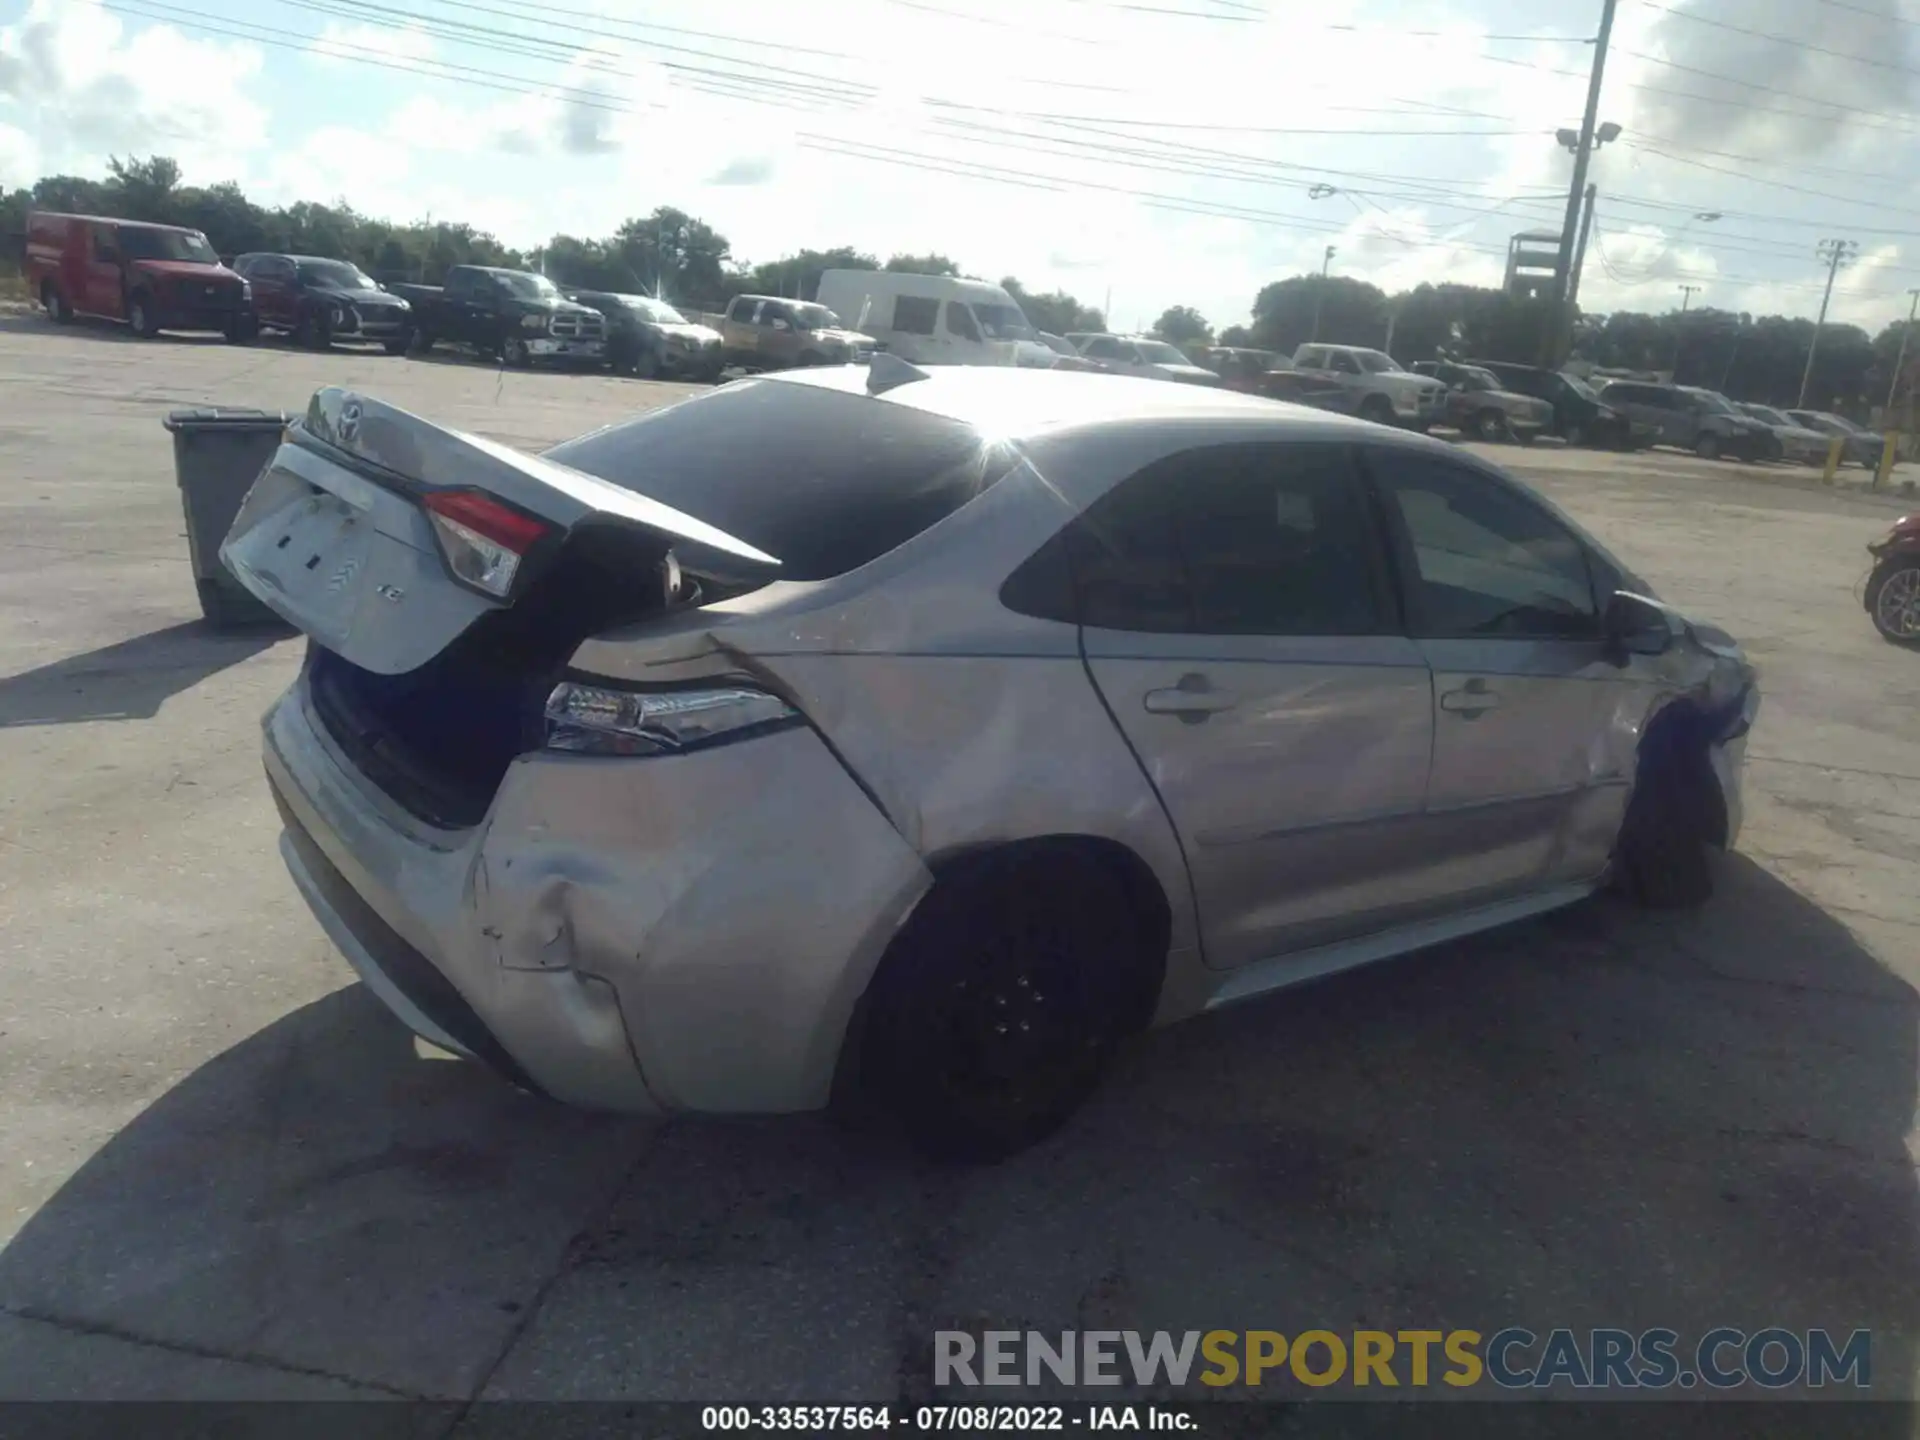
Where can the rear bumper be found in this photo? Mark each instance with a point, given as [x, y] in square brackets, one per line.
[623, 935]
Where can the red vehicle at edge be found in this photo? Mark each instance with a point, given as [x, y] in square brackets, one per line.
[1893, 589]
[151, 277]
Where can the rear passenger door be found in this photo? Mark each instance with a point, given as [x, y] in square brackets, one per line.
[105, 277]
[1533, 724]
[1237, 619]
[276, 296]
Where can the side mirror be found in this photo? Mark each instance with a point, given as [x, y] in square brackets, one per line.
[1635, 625]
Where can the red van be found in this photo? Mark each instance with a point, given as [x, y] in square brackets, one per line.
[152, 277]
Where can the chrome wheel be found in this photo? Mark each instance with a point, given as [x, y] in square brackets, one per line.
[1896, 609]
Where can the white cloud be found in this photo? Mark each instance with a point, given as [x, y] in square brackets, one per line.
[737, 118]
[76, 81]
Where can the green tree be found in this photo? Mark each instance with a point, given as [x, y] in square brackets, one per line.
[673, 255]
[1183, 325]
[1351, 312]
[922, 265]
[144, 189]
[1057, 312]
[797, 276]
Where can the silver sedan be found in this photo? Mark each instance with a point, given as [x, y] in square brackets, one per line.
[921, 735]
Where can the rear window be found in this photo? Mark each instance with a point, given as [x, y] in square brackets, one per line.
[821, 480]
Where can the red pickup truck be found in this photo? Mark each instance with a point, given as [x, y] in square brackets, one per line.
[151, 277]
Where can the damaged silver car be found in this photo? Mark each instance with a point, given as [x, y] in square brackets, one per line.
[922, 735]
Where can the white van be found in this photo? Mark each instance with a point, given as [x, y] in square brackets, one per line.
[934, 319]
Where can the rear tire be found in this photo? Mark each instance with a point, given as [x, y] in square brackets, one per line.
[243, 332]
[1661, 858]
[1707, 447]
[1901, 621]
[1575, 434]
[398, 347]
[514, 353]
[58, 310]
[997, 1009]
[1378, 409]
[1488, 425]
[646, 364]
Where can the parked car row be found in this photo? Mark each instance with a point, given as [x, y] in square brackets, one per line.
[165, 277]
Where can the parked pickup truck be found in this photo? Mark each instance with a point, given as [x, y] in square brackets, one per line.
[1480, 406]
[515, 314]
[1383, 391]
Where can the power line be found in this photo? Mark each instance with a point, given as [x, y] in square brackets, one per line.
[1753, 85]
[1866, 10]
[1688, 15]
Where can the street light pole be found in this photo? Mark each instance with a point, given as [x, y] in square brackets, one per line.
[1320, 294]
[1687, 292]
[1900, 363]
[1557, 323]
[1580, 250]
[1835, 253]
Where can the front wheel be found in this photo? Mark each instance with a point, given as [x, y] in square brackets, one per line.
[314, 331]
[242, 331]
[58, 310]
[142, 318]
[515, 354]
[1893, 599]
[1661, 859]
[646, 364]
[1707, 447]
[1378, 409]
[1488, 425]
[998, 1007]
[398, 346]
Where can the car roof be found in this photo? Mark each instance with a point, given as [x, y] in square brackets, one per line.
[115, 220]
[1014, 402]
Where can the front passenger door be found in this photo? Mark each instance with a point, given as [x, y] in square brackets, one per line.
[1534, 726]
[1236, 617]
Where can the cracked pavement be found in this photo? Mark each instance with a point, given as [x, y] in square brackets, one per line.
[225, 1172]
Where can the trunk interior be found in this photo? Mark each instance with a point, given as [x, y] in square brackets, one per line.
[439, 739]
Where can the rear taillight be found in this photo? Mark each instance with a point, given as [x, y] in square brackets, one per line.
[483, 539]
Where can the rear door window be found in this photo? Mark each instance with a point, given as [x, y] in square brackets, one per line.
[915, 314]
[1234, 540]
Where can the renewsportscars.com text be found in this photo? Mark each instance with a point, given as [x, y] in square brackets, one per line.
[1514, 1358]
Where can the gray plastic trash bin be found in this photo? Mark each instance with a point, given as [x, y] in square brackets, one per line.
[217, 455]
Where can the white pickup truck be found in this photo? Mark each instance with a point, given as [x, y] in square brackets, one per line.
[1382, 390]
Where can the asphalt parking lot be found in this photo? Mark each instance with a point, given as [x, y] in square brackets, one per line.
[225, 1172]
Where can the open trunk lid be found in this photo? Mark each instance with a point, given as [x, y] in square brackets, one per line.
[346, 535]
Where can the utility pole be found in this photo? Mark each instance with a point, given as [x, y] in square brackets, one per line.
[1557, 323]
[1580, 250]
[1836, 253]
[1687, 292]
[1320, 290]
[1901, 363]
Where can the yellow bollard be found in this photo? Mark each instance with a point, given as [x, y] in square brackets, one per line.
[1884, 474]
[1836, 447]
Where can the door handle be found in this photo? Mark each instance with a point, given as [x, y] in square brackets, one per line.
[1193, 700]
[1471, 700]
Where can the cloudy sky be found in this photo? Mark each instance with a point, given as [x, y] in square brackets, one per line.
[1156, 151]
